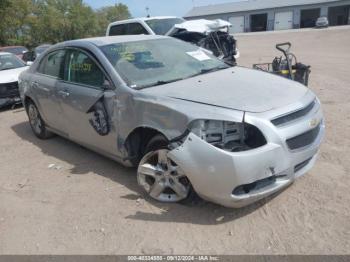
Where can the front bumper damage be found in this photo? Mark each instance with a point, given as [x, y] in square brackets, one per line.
[9, 94]
[9, 101]
[237, 179]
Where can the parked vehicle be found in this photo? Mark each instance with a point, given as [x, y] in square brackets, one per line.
[185, 119]
[287, 65]
[209, 34]
[16, 50]
[10, 68]
[30, 56]
[322, 22]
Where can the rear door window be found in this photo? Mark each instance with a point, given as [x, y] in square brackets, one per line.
[52, 64]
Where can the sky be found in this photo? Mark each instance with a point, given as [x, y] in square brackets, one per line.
[157, 7]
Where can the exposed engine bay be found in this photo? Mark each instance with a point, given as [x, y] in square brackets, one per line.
[211, 35]
[229, 136]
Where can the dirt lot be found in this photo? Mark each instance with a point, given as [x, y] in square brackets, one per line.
[90, 205]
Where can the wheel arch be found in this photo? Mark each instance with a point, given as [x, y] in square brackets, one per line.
[137, 140]
[26, 101]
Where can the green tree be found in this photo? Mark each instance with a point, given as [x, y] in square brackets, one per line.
[107, 15]
[32, 22]
[15, 22]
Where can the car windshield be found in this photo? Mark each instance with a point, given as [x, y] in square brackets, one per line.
[159, 61]
[162, 26]
[10, 62]
[15, 50]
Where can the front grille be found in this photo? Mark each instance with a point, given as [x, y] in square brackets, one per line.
[304, 139]
[301, 165]
[259, 184]
[9, 90]
[293, 116]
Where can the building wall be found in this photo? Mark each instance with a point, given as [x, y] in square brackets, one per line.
[271, 14]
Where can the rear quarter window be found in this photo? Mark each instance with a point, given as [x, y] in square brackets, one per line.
[128, 29]
[117, 30]
[136, 29]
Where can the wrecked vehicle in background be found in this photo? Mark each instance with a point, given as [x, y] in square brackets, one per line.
[16, 50]
[212, 35]
[30, 56]
[188, 121]
[10, 68]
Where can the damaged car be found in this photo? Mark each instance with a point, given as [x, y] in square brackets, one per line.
[185, 119]
[10, 68]
[209, 34]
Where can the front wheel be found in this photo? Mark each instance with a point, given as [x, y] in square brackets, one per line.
[159, 176]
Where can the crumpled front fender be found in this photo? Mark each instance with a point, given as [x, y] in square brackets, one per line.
[214, 173]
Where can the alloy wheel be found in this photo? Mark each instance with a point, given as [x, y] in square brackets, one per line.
[162, 179]
[34, 119]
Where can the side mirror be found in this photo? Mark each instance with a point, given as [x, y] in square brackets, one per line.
[107, 85]
[29, 63]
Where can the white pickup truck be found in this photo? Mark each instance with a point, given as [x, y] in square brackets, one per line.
[209, 34]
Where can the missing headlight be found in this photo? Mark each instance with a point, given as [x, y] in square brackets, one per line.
[229, 136]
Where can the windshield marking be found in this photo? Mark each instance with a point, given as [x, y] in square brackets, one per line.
[199, 55]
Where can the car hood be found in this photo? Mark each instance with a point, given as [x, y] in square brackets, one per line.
[235, 88]
[11, 75]
[201, 26]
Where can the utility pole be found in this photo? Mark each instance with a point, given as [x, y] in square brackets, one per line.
[147, 11]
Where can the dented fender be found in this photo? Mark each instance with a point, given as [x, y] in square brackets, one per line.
[215, 173]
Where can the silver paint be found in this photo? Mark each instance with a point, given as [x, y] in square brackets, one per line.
[236, 94]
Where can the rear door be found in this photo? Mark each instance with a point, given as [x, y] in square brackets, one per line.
[84, 100]
[44, 83]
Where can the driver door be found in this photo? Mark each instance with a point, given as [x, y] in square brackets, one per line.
[84, 101]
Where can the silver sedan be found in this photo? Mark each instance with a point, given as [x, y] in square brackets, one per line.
[186, 120]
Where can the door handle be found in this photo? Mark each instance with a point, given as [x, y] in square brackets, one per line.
[38, 86]
[63, 93]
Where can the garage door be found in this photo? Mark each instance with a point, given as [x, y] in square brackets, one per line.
[283, 20]
[237, 24]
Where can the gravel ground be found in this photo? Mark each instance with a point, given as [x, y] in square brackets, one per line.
[87, 204]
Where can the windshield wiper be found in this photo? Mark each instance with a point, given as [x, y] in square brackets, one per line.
[209, 70]
[158, 83]
[9, 68]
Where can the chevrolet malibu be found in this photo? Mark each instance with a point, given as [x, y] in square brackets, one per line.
[187, 121]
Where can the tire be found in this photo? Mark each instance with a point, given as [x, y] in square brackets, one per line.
[160, 177]
[36, 122]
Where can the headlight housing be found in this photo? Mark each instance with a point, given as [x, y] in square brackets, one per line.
[229, 136]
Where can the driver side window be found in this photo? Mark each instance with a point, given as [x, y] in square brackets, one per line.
[83, 70]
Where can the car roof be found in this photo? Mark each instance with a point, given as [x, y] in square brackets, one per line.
[143, 19]
[5, 53]
[12, 46]
[107, 40]
[44, 45]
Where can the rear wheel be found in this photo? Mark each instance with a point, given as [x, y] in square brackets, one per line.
[36, 122]
[159, 176]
